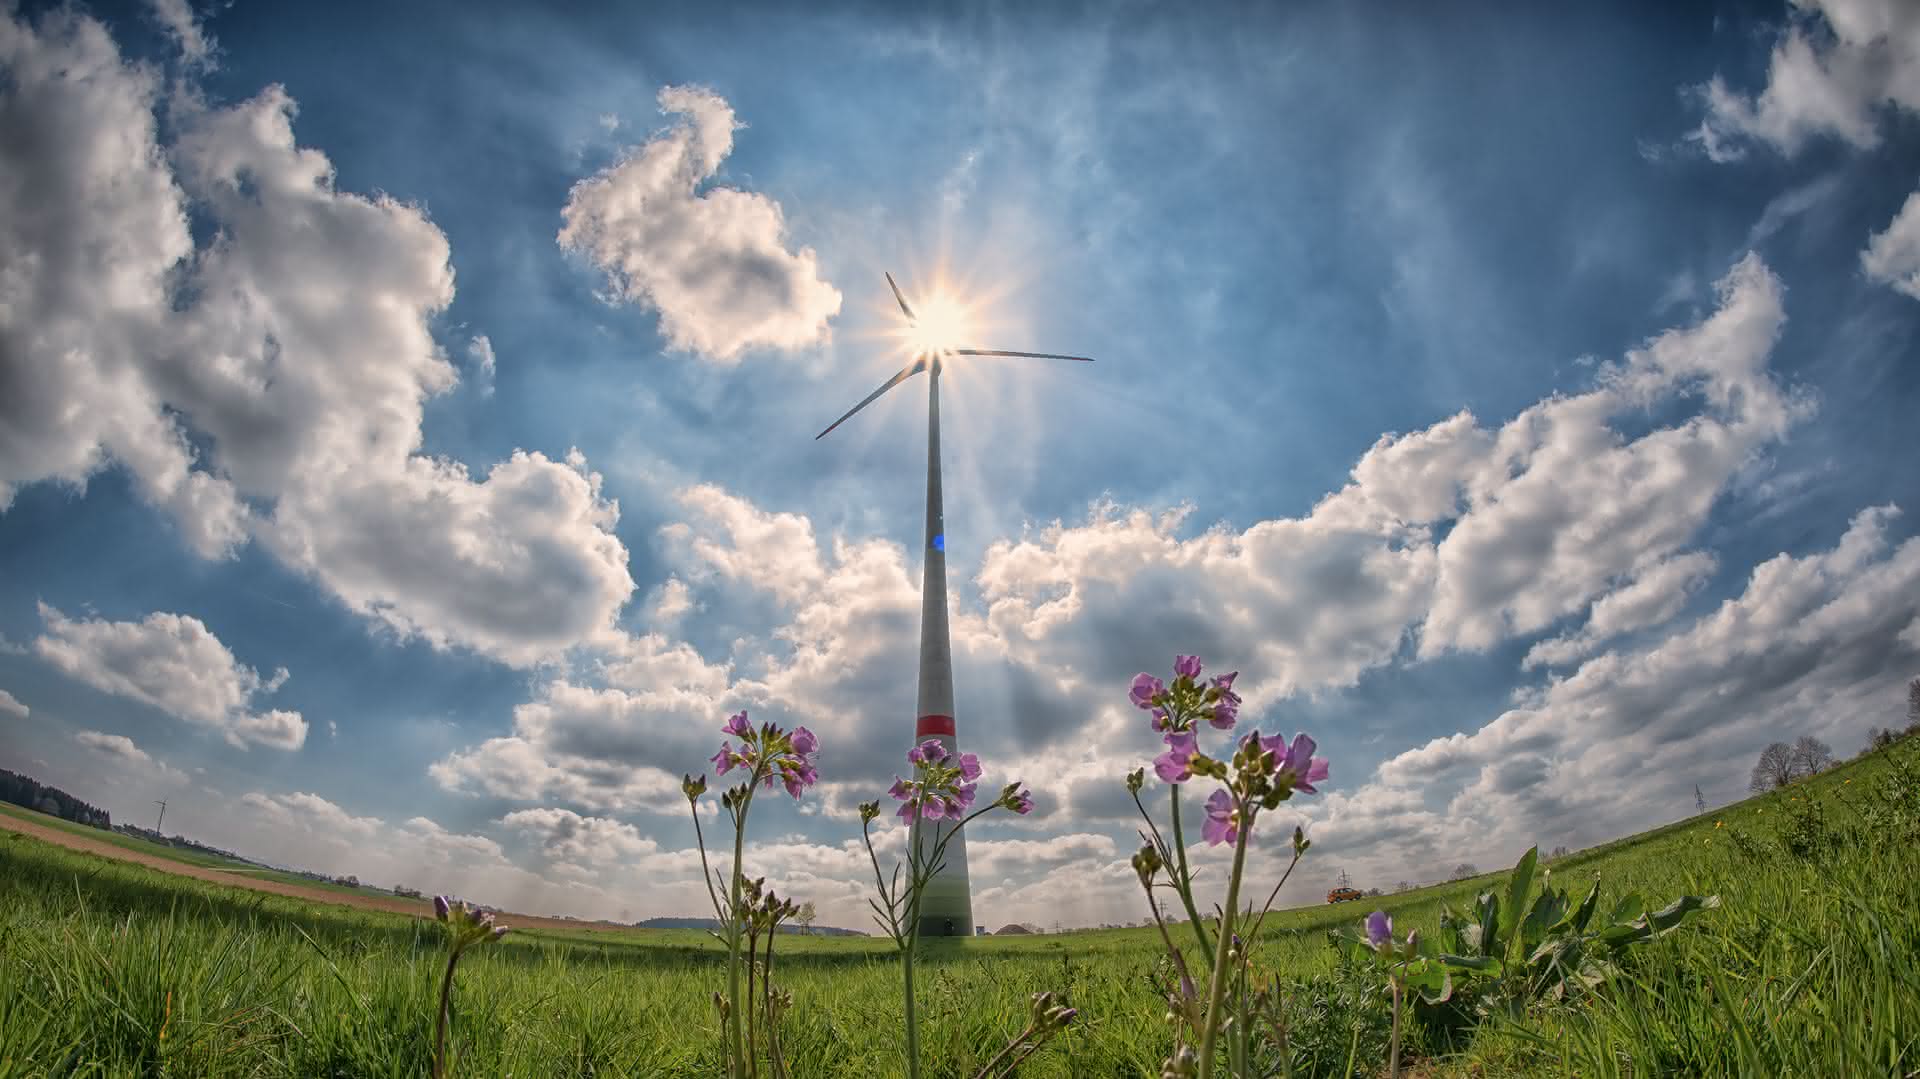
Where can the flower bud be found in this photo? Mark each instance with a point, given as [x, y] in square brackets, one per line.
[1300, 841]
[693, 787]
[720, 1005]
[1135, 780]
[868, 811]
[1146, 863]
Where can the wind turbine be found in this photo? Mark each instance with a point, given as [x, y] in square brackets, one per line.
[946, 908]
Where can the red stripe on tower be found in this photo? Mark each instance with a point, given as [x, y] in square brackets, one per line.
[929, 725]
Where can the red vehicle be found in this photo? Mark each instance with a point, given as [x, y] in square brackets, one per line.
[1341, 895]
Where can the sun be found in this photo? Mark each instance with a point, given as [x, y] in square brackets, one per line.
[940, 323]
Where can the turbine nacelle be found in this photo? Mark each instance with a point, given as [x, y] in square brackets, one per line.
[928, 357]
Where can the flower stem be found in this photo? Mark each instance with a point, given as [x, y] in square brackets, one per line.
[913, 942]
[737, 1065]
[1217, 990]
[1020, 1039]
[1393, 1069]
[440, 1025]
[1183, 881]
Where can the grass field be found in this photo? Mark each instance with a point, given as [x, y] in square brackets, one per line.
[1807, 968]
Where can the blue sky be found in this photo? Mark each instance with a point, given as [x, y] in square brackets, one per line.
[1520, 400]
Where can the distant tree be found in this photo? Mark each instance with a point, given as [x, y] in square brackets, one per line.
[1811, 755]
[1699, 800]
[1465, 870]
[1774, 770]
[806, 915]
[1375, 891]
[1913, 701]
[1879, 738]
[1558, 853]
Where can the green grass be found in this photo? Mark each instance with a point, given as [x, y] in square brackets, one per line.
[110, 969]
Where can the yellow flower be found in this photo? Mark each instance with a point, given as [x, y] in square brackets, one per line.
[1719, 824]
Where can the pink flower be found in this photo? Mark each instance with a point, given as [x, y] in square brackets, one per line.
[1297, 763]
[1379, 928]
[1144, 689]
[725, 759]
[1020, 801]
[927, 752]
[1187, 665]
[803, 740]
[1222, 824]
[900, 789]
[969, 767]
[738, 726]
[1174, 766]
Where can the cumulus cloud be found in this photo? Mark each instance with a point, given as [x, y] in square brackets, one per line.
[1834, 72]
[1835, 67]
[568, 836]
[1892, 256]
[1654, 597]
[714, 263]
[10, 706]
[295, 346]
[175, 664]
[176, 18]
[122, 751]
[1812, 645]
[1542, 516]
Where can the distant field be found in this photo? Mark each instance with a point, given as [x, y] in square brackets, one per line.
[114, 969]
[183, 855]
[119, 839]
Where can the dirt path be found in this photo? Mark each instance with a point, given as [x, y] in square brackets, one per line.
[240, 878]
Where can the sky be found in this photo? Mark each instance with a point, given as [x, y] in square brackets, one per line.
[407, 415]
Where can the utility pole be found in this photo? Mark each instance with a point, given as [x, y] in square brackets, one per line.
[163, 813]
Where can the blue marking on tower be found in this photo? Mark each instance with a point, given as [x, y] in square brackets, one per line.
[940, 542]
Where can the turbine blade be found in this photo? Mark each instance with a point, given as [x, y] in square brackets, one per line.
[909, 370]
[897, 296]
[1028, 355]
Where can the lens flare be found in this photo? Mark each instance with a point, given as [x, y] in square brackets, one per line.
[940, 323]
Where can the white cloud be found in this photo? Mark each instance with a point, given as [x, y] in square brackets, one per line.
[296, 345]
[714, 263]
[568, 836]
[1812, 645]
[480, 354]
[1892, 256]
[1834, 72]
[175, 664]
[1831, 73]
[122, 750]
[94, 225]
[176, 17]
[10, 705]
[1655, 596]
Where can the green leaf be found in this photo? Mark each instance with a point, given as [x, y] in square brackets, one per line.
[1584, 913]
[1547, 911]
[1489, 927]
[1670, 916]
[1519, 883]
[1473, 964]
[1629, 908]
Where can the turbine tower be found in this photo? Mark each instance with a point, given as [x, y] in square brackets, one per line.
[946, 908]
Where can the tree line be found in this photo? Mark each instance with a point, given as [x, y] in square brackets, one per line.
[33, 794]
[1781, 764]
